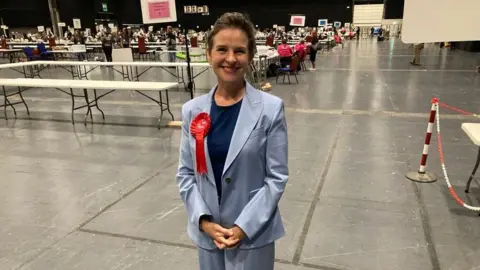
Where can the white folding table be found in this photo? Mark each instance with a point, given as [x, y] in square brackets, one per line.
[473, 132]
[85, 85]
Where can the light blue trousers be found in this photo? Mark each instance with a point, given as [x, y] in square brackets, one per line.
[238, 259]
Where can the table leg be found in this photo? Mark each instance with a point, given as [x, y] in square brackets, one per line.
[168, 104]
[23, 100]
[4, 102]
[73, 105]
[467, 189]
[96, 103]
[89, 110]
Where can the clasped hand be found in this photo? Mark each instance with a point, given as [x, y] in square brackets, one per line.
[222, 237]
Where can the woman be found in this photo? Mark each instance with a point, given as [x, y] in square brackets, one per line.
[107, 46]
[285, 53]
[233, 158]
[313, 50]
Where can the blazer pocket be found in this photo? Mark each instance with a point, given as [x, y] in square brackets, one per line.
[253, 193]
[256, 132]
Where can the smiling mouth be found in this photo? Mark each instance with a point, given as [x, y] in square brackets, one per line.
[230, 69]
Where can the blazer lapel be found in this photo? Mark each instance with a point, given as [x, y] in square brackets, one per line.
[250, 112]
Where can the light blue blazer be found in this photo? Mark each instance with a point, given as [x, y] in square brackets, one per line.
[254, 176]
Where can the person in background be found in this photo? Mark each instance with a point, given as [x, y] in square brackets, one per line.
[417, 49]
[313, 49]
[79, 39]
[125, 38]
[300, 46]
[232, 188]
[358, 32]
[171, 44]
[107, 46]
[285, 52]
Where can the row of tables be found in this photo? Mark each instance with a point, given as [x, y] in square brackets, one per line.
[79, 70]
[32, 79]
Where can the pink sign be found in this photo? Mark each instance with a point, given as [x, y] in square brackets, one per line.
[297, 20]
[159, 10]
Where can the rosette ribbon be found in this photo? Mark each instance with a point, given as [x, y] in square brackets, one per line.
[199, 129]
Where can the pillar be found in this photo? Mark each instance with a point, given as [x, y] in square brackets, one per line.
[54, 17]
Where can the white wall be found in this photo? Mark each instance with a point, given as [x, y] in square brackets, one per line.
[440, 20]
[390, 22]
[368, 15]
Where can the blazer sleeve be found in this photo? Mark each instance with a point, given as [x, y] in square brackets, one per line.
[196, 206]
[263, 205]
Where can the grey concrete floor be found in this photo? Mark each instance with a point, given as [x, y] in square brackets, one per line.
[104, 196]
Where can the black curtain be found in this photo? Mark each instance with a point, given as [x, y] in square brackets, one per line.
[25, 13]
[264, 13]
[83, 10]
[394, 9]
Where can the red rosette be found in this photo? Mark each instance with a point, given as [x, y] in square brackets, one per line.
[199, 129]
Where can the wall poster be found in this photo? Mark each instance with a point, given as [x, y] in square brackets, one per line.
[158, 11]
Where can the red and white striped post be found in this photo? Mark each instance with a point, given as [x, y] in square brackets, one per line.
[422, 175]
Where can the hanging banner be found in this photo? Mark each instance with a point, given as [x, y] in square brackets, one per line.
[297, 20]
[158, 11]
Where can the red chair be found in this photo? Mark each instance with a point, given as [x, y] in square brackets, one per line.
[52, 43]
[269, 41]
[194, 42]
[302, 55]
[142, 48]
[338, 40]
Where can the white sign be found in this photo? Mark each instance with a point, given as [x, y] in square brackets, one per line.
[61, 24]
[445, 21]
[297, 20]
[122, 55]
[40, 28]
[275, 26]
[196, 9]
[150, 28]
[77, 24]
[158, 11]
[3, 27]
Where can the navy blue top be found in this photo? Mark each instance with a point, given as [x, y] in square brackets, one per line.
[224, 119]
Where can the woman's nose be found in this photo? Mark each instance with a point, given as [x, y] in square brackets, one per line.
[231, 57]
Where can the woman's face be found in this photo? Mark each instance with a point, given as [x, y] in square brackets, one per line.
[229, 55]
